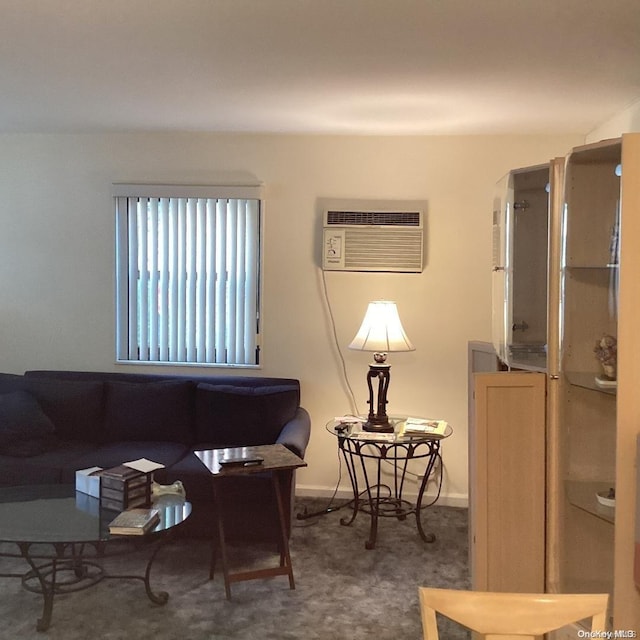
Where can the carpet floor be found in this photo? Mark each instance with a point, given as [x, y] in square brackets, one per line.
[343, 591]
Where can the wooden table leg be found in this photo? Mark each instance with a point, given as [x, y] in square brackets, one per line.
[285, 567]
[285, 558]
[221, 542]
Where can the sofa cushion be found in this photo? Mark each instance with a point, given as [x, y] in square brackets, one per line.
[11, 382]
[45, 468]
[75, 408]
[113, 454]
[155, 411]
[239, 416]
[25, 430]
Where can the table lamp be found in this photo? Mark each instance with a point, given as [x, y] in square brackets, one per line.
[381, 332]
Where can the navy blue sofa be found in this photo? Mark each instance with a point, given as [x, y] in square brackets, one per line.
[53, 423]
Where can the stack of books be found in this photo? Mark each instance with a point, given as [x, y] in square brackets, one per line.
[422, 427]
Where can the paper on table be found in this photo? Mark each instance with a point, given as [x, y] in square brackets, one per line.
[144, 465]
[373, 436]
[417, 426]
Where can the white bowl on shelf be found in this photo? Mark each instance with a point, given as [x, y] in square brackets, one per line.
[606, 383]
[604, 499]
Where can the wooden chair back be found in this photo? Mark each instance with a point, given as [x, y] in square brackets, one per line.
[507, 616]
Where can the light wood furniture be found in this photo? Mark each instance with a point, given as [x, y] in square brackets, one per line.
[590, 431]
[507, 494]
[626, 609]
[597, 427]
[481, 357]
[510, 615]
[520, 265]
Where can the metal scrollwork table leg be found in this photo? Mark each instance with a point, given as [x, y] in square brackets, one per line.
[68, 569]
[393, 504]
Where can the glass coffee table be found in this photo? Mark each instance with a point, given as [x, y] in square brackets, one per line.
[63, 535]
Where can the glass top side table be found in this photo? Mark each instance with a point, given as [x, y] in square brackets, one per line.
[370, 494]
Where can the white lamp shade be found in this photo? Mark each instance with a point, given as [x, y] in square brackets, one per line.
[381, 330]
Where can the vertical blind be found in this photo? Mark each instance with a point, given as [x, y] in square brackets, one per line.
[188, 273]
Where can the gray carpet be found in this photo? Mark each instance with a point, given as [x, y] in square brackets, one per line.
[343, 591]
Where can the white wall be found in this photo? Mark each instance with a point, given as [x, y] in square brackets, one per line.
[57, 259]
[626, 121]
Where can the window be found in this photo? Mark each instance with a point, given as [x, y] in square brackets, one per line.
[188, 274]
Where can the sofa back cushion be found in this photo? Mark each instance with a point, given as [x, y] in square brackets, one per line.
[239, 416]
[74, 407]
[141, 411]
[25, 430]
[10, 382]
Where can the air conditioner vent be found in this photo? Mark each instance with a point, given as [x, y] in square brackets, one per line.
[387, 218]
[373, 240]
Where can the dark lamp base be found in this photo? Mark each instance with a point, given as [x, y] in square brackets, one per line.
[377, 419]
[382, 427]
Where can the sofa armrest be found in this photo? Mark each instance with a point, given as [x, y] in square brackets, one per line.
[296, 433]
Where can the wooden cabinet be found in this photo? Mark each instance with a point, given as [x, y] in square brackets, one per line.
[589, 428]
[520, 266]
[507, 496]
[511, 421]
[587, 410]
[626, 596]
[598, 424]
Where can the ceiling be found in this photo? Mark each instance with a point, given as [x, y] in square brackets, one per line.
[317, 66]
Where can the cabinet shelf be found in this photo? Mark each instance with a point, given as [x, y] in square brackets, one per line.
[582, 494]
[607, 267]
[587, 380]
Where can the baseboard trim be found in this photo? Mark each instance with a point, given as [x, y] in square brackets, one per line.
[445, 500]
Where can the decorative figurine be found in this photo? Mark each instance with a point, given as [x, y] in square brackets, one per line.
[606, 351]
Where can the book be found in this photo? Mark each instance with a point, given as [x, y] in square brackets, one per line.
[134, 522]
[373, 436]
[421, 427]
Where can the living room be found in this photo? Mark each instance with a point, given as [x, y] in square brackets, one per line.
[58, 259]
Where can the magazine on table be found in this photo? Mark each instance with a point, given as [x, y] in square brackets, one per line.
[424, 427]
[373, 436]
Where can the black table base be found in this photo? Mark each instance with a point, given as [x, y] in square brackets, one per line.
[380, 500]
[60, 568]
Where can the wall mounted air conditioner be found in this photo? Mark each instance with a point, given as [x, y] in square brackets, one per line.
[373, 240]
